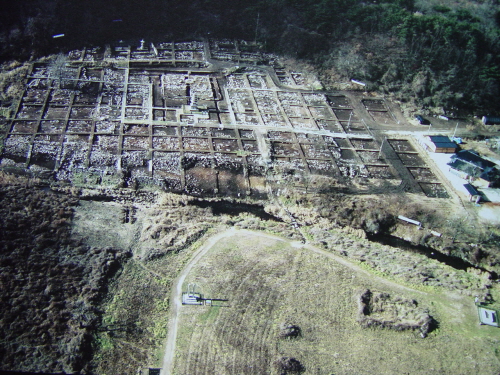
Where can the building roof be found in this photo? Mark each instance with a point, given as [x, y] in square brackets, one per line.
[471, 189]
[473, 158]
[475, 166]
[441, 141]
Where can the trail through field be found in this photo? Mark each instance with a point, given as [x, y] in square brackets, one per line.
[175, 299]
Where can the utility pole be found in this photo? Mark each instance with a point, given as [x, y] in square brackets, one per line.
[257, 27]
[380, 151]
[455, 131]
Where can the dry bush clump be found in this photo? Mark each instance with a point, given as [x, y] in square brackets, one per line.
[377, 309]
[289, 331]
[289, 366]
[50, 284]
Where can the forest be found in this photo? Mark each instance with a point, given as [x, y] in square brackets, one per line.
[441, 56]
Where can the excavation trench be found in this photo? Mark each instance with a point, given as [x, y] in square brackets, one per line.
[449, 260]
[234, 209]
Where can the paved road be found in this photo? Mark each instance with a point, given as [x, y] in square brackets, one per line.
[175, 298]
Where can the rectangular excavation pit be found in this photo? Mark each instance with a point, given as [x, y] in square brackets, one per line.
[423, 174]
[135, 142]
[231, 183]
[330, 125]
[342, 142]
[166, 143]
[250, 146]
[290, 98]
[340, 102]
[200, 180]
[353, 127]
[86, 99]
[24, 126]
[91, 74]
[225, 145]
[247, 134]
[295, 111]
[171, 115]
[165, 130]
[225, 118]
[364, 144]
[434, 190]
[38, 83]
[321, 113]
[108, 143]
[257, 81]
[74, 154]
[81, 112]
[257, 185]
[401, 145]
[314, 99]
[369, 156]
[411, 159]
[322, 167]
[273, 120]
[134, 159]
[56, 113]
[136, 113]
[336, 152]
[136, 129]
[316, 151]
[79, 126]
[243, 119]
[379, 171]
[52, 126]
[230, 162]
[374, 104]
[223, 133]
[102, 158]
[266, 102]
[382, 117]
[34, 96]
[285, 149]
[112, 127]
[166, 166]
[195, 144]
[29, 112]
[60, 97]
[303, 123]
[158, 115]
[16, 147]
[346, 115]
[348, 155]
[45, 150]
[190, 131]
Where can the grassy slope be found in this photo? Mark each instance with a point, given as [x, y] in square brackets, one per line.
[268, 282]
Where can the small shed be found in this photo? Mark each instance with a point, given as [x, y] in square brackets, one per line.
[473, 194]
[487, 316]
[442, 144]
[492, 122]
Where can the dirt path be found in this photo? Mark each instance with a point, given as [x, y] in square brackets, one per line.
[175, 298]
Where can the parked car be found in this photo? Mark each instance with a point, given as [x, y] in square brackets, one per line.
[422, 121]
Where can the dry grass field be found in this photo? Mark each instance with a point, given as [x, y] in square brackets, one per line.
[269, 282]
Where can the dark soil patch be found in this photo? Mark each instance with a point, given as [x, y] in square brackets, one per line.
[234, 209]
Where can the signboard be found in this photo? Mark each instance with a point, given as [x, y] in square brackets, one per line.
[488, 316]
